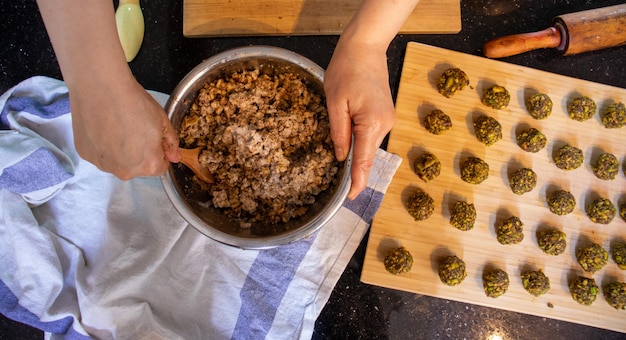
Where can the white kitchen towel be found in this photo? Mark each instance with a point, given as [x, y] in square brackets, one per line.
[85, 255]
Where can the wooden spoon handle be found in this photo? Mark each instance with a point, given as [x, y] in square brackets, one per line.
[189, 157]
[519, 43]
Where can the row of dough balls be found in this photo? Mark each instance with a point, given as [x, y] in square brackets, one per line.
[539, 105]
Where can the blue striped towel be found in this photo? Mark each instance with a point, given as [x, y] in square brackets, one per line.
[85, 255]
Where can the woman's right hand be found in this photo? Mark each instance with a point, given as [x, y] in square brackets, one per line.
[123, 130]
[117, 125]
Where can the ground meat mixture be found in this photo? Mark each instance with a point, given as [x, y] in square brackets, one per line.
[437, 122]
[267, 143]
[539, 106]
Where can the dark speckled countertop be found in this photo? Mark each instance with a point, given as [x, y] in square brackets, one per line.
[355, 310]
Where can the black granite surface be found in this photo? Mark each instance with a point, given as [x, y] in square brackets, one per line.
[355, 310]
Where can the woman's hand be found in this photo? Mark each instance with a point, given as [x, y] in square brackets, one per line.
[123, 130]
[117, 125]
[356, 84]
[359, 102]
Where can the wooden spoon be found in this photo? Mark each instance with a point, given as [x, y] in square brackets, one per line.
[190, 159]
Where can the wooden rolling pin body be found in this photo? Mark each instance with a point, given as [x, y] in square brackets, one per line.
[572, 33]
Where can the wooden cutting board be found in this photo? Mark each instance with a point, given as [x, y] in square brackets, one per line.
[212, 18]
[430, 239]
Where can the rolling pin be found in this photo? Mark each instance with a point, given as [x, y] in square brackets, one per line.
[571, 33]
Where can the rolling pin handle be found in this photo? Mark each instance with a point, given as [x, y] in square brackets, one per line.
[520, 43]
[564, 43]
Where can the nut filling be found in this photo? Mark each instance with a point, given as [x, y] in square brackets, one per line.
[582, 109]
[539, 106]
[619, 255]
[452, 81]
[532, 140]
[592, 257]
[606, 166]
[535, 282]
[427, 167]
[552, 242]
[452, 270]
[601, 211]
[495, 282]
[420, 205]
[488, 130]
[615, 294]
[522, 181]
[561, 202]
[463, 216]
[510, 231]
[568, 157]
[474, 170]
[266, 140]
[615, 116]
[496, 97]
[584, 290]
[398, 260]
[437, 122]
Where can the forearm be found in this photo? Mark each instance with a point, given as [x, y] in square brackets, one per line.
[84, 37]
[357, 86]
[377, 22]
[108, 105]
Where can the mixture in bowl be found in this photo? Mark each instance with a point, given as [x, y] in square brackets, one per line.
[266, 140]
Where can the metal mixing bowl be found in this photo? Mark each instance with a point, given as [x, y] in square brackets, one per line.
[190, 200]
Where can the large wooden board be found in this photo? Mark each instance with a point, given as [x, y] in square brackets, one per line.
[211, 18]
[430, 239]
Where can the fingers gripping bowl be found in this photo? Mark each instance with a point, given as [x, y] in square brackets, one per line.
[197, 202]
